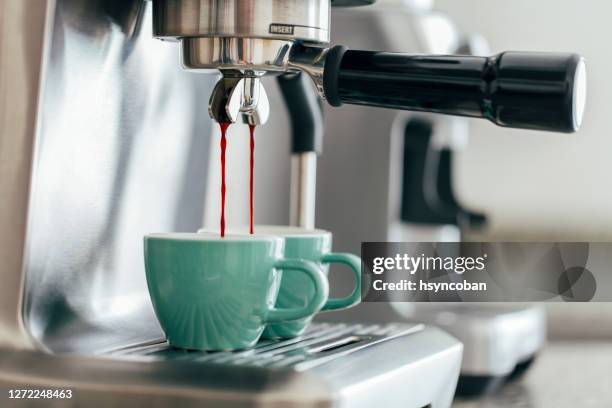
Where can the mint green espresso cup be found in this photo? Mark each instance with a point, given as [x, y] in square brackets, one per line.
[212, 293]
[296, 290]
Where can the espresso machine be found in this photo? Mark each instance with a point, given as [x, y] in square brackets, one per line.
[103, 140]
[500, 340]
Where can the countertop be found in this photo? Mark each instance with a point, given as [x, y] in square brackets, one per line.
[566, 374]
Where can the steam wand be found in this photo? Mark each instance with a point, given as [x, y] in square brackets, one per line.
[306, 116]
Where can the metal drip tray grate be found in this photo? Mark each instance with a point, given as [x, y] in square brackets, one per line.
[331, 365]
[322, 343]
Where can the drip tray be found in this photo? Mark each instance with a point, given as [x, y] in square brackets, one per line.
[321, 344]
[331, 365]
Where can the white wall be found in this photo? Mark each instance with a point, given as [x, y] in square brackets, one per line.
[533, 184]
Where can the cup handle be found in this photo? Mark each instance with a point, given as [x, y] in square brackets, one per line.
[315, 304]
[354, 263]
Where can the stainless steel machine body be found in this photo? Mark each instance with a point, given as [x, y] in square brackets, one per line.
[284, 20]
[102, 141]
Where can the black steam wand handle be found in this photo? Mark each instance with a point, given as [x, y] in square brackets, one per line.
[541, 91]
[305, 113]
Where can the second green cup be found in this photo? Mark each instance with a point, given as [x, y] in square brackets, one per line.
[297, 290]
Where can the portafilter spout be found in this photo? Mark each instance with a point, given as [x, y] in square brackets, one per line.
[244, 40]
[242, 100]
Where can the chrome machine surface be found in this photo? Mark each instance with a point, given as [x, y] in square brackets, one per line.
[329, 366]
[109, 142]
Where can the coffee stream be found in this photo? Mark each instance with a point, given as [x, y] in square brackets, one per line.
[252, 165]
[224, 127]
